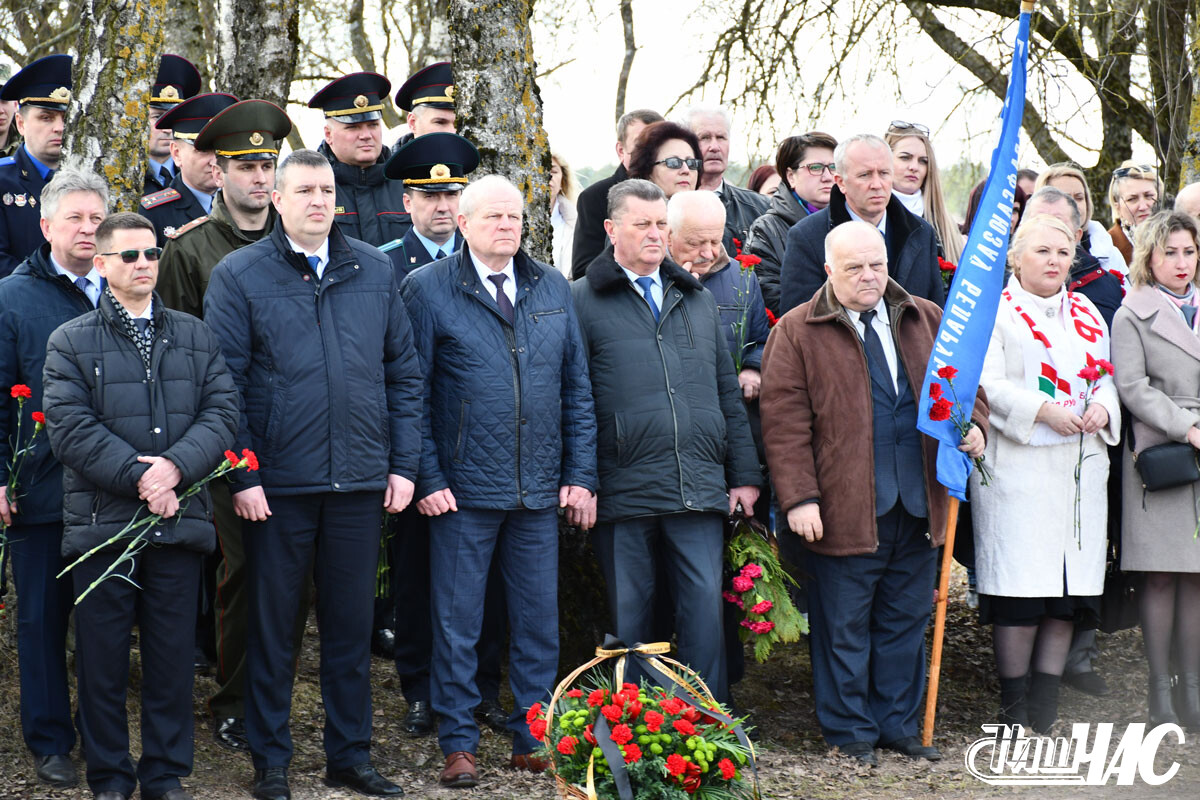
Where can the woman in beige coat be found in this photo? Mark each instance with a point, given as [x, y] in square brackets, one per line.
[1156, 350]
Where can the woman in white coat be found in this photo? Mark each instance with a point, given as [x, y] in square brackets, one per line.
[1039, 552]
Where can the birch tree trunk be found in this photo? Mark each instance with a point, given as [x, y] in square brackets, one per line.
[499, 106]
[256, 51]
[119, 42]
[184, 35]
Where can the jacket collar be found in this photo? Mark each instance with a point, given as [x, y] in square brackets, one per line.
[899, 219]
[523, 267]
[339, 248]
[220, 213]
[108, 310]
[604, 274]
[827, 308]
[1146, 302]
[356, 176]
[785, 205]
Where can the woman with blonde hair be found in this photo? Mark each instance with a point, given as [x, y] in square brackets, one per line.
[564, 188]
[1069, 179]
[917, 183]
[1133, 193]
[1156, 349]
[1040, 542]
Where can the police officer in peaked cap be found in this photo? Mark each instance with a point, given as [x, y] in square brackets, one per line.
[428, 97]
[177, 80]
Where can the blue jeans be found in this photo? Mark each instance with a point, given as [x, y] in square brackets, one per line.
[461, 546]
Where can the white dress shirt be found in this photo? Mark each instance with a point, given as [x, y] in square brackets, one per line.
[656, 288]
[881, 226]
[510, 285]
[883, 329]
[321, 252]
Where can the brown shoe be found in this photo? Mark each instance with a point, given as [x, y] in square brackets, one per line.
[459, 772]
[528, 762]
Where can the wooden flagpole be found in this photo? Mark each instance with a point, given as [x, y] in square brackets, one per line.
[939, 624]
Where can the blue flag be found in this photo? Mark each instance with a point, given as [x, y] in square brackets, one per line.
[974, 296]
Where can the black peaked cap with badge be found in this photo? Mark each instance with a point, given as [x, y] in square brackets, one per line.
[354, 98]
[177, 80]
[250, 130]
[435, 162]
[431, 86]
[187, 118]
[45, 83]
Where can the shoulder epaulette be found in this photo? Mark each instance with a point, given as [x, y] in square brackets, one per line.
[197, 222]
[157, 199]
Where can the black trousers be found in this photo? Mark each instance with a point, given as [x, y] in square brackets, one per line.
[335, 537]
[414, 617]
[164, 609]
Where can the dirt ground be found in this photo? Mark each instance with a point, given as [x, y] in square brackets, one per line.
[794, 762]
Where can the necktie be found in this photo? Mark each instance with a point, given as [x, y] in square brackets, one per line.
[315, 263]
[164, 176]
[142, 323]
[443, 254]
[84, 284]
[646, 282]
[506, 307]
[874, 349]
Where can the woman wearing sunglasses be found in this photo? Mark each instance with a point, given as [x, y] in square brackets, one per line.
[917, 184]
[805, 163]
[1133, 193]
[667, 155]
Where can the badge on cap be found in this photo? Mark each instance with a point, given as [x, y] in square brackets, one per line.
[169, 93]
[360, 101]
[256, 138]
[450, 92]
[439, 172]
[61, 95]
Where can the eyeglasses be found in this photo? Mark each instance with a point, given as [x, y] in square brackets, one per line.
[131, 256]
[1123, 172]
[901, 125]
[675, 162]
[817, 168]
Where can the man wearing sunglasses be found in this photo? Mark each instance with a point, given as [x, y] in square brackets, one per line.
[55, 284]
[139, 406]
[742, 206]
[862, 191]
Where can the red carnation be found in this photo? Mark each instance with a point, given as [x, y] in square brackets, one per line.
[947, 373]
[232, 458]
[533, 713]
[673, 705]
[730, 597]
[21, 390]
[763, 607]
[632, 753]
[742, 584]
[39, 418]
[1106, 366]
[771, 319]
[751, 571]
[621, 734]
[749, 261]
[537, 729]
[588, 736]
[940, 410]
[728, 770]
[596, 698]
[612, 712]
[945, 266]
[654, 721]
[566, 745]
[630, 687]
[251, 459]
[935, 390]
[691, 780]
[1090, 374]
[762, 627]
[634, 709]
[684, 727]
[576, 693]
[675, 764]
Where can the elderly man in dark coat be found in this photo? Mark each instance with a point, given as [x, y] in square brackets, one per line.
[863, 192]
[842, 375]
[675, 454]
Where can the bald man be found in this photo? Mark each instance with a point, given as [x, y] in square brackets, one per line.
[842, 375]
[1188, 200]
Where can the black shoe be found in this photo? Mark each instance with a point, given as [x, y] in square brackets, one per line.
[1042, 701]
[492, 714]
[173, 794]
[231, 733]
[1162, 711]
[911, 746]
[383, 643]
[1189, 706]
[200, 661]
[1087, 682]
[109, 796]
[362, 778]
[419, 719]
[271, 784]
[56, 770]
[864, 752]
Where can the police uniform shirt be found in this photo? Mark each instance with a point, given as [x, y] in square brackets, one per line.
[434, 249]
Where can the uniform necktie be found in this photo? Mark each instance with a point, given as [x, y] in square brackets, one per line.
[506, 306]
[874, 349]
[315, 263]
[83, 284]
[646, 282]
[164, 176]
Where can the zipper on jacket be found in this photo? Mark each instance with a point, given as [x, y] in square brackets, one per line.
[671, 390]
[511, 337]
[539, 314]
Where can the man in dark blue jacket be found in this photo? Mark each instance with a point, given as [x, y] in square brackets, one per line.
[320, 348]
[509, 437]
[55, 284]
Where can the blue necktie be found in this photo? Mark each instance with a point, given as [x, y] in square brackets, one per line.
[646, 282]
[142, 323]
[315, 262]
[83, 284]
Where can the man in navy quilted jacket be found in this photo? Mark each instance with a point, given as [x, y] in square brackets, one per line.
[509, 437]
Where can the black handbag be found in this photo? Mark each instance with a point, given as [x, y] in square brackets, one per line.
[1165, 466]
